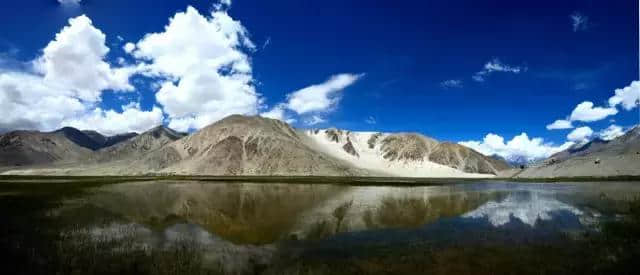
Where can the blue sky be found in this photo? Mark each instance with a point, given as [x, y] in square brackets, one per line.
[455, 70]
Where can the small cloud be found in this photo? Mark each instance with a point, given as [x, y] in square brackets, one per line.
[266, 43]
[579, 21]
[611, 132]
[451, 84]
[496, 65]
[580, 135]
[560, 124]
[320, 97]
[222, 5]
[370, 120]
[479, 77]
[278, 112]
[628, 97]
[587, 113]
[69, 2]
[581, 86]
[314, 120]
[129, 47]
[120, 38]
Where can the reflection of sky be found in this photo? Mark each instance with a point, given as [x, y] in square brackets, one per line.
[526, 207]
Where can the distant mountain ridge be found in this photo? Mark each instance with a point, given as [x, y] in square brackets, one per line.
[65, 145]
[252, 145]
[91, 139]
[22, 148]
[403, 154]
[597, 158]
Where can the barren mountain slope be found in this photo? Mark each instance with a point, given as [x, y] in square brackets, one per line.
[466, 159]
[404, 154]
[243, 145]
[21, 148]
[91, 139]
[106, 141]
[618, 157]
[138, 146]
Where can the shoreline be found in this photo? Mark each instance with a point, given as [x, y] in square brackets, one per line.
[356, 181]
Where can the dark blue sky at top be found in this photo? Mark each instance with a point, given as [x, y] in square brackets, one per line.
[405, 48]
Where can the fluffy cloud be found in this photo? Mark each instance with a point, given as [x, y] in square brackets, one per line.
[560, 124]
[579, 21]
[611, 132]
[519, 147]
[75, 60]
[109, 122]
[129, 47]
[452, 83]
[66, 83]
[206, 73]
[28, 102]
[320, 97]
[581, 134]
[587, 113]
[495, 65]
[628, 96]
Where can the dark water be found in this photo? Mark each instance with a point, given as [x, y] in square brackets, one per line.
[244, 228]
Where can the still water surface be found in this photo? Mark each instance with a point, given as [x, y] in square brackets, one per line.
[239, 227]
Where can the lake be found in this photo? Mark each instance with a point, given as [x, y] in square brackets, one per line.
[195, 227]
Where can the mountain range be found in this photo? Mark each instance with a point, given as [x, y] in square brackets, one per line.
[253, 145]
[597, 158]
[241, 145]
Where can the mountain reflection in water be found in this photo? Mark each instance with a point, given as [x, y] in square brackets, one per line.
[238, 226]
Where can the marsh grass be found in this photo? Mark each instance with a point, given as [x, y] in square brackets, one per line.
[35, 242]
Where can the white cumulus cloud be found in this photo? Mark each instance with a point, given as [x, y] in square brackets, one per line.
[75, 60]
[611, 132]
[521, 146]
[129, 47]
[580, 135]
[320, 97]
[207, 75]
[28, 102]
[66, 83]
[628, 96]
[110, 122]
[560, 124]
[587, 113]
